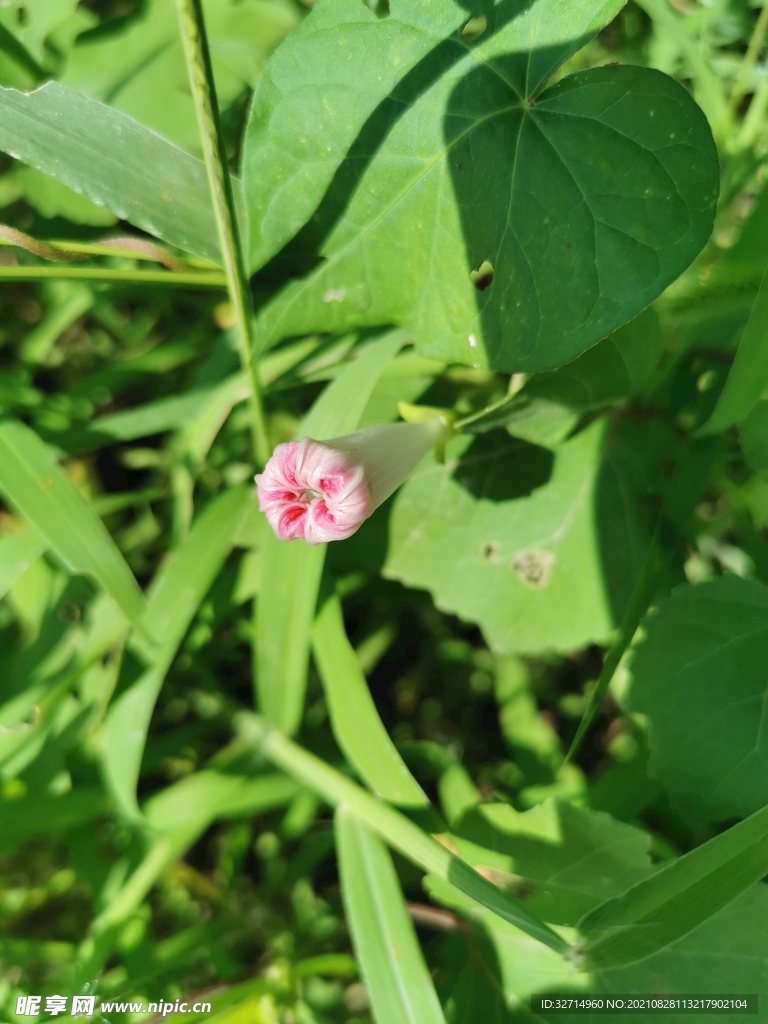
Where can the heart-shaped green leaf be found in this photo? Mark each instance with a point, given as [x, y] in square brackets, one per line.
[412, 174]
[540, 551]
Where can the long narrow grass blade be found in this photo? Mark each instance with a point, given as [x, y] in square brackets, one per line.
[216, 164]
[355, 721]
[17, 552]
[748, 376]
[671, 903]
[633, 613]
[174, 597]
[33, 482]
[112, 160]
[383, 936]
[291, 571]
[63, 272]
[395, 829]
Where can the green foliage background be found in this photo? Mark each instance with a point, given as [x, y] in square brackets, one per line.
[508, 738]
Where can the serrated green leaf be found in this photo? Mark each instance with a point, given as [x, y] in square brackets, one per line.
[383, 935]
[725, 954]
[389, 181]
[33, 483]
[563, 860]
[173, 598]
[355, 721]
[526, 966]
[398, 831]
[699, 674]
[529, 548]
[291, 571]
[681, 895]
[112, 160]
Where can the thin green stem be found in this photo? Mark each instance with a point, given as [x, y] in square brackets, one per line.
[635, 610]
[754, 119]
[62, 271]
[214, 151]
[395, 828]
[749, 59]
[109, 247]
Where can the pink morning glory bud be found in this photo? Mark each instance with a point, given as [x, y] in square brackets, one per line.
[324, 490]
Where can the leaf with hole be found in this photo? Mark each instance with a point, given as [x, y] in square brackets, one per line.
[539, 550]
[435, 182]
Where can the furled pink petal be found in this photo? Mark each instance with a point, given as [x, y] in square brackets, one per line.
[324, 491]
[313, 491]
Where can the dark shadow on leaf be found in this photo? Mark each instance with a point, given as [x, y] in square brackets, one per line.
[477, 990]
[478, 7]
[539, 862]
[621, 522]
[56, 622]
[303, 253]
[648, 468]
[51, 760]
[498, 467]
[503, 221]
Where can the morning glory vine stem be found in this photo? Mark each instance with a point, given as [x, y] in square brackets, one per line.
[214, 151]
